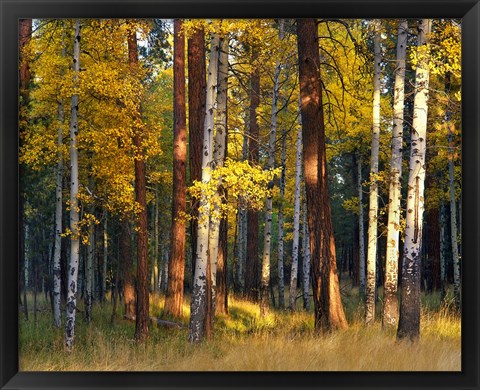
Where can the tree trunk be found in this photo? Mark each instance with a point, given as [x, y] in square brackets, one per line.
[443, 249]
[373, 209]
[89, 274]
[200, 289]
[306, 257]
[142, 306]
[326, 291]
[71, 308]
[196, 118]
[296, 223]
[156, 279]
[267, 240]
[25, 33]
[105, 257]
[390, 302]
[220, 252]
[174, 297]
[126, 253]
[453, 222]
[242, 232]
[281, 278]
[252, 259]
[361, 230]
[57, 274]
[409, 323]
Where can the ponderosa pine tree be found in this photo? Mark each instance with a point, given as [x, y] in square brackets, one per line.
[196, 118]
[373, 203]
[176, 269]
[142, 303]
[128, 277]
[390, 302]
[409, 322]
[329, 312]
[71, 306]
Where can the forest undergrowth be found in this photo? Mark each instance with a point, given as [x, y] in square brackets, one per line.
[283, 341]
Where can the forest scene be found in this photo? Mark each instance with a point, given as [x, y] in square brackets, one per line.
[240, 195]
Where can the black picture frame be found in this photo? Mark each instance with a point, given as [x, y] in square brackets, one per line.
[12, 10]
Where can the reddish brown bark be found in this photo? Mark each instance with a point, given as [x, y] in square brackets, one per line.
[142, 309]
[196, 119]
[252, 280]
[176, 269]
[326, 293]
[128, 278]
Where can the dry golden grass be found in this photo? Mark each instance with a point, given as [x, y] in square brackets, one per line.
[243, 341]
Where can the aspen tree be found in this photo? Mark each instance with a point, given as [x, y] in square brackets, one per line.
[218, 227]
[306, 256]
[57, 276]
[252, 259]
[281, 281]
[390, 303]
[296, 223]
[71, 306]
[199, 292]
[373, 201]
[267, 239]
[409, 322]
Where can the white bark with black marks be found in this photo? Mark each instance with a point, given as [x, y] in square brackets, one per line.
[71, 306]
[409, 322]
[220, 143]
[373, 201]
[390, 305]
[198, 300]
[267, 235]
[57, 273]
[296, 222]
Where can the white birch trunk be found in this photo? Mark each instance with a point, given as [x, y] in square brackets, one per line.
[198, 302]
[373, 209]
[453, 224]
[409, 322]
[296, 222]
[219, 158]
[390, 306]
[57, 274]
[306, 257]
[267, 238]
[71, 307]
[281, 277]
[361, 230]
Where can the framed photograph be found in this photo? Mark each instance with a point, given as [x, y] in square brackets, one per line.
[238, 194]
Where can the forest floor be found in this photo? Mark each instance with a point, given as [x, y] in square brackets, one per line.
[282, 341]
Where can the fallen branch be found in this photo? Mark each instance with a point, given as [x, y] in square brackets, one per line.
[160, 322]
